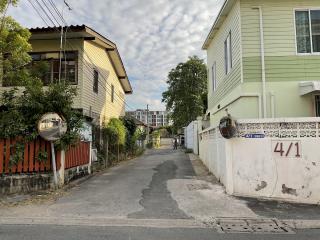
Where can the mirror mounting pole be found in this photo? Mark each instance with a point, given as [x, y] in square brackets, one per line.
[54, 167]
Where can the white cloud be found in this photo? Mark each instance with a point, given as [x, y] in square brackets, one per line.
[152, 36]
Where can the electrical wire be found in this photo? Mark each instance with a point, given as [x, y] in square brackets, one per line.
[66, 41]
[88, 56]
[107, 90]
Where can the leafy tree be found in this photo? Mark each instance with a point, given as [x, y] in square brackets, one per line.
[5, 3]
[131, 127]
[115, 135]
[115, 132]
[14, 48]
[21, 109]
[187, 91]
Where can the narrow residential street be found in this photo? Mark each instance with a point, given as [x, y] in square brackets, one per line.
[160, 195]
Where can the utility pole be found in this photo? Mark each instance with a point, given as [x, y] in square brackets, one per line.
[148, 124]
[63, 25]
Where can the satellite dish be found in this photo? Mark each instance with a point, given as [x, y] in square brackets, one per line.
[51, 127]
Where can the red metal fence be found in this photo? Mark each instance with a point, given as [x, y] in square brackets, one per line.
[32, 158]
[77, 155]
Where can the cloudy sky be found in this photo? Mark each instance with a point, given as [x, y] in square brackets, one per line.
[153, 36]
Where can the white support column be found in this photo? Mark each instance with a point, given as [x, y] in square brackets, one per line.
[62, 168]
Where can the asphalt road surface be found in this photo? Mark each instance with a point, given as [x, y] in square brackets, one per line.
[51, 232]
[157, 196]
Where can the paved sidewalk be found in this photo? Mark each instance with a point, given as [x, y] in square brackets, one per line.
[297, 216]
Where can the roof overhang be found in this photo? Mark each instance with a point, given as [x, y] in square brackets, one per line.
[309, 87]
[227, 6]
[88, 34]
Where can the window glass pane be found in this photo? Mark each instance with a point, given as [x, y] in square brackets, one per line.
[35, 56]
[70, 56]
[226, 57]
[230, 51]
[214, 77]
[228, 54]
[68, 69]
[315, 29]
[303, 32]
[55, 70]
[53, 55]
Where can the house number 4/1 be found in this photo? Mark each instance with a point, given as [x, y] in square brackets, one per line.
[287, 149]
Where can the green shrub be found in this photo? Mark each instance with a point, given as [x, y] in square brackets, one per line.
[115, 132]
[19, 114]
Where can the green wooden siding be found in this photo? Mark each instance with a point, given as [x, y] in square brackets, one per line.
[279, 26]
[215, 53]
[282, 62]
[284, 68]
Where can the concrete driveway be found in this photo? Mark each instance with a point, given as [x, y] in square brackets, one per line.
[164, 188]
[161, 184]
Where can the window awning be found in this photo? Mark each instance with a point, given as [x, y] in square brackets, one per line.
[309, 87]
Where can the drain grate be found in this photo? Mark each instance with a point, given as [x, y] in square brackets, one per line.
[266, 226]
[194, 187]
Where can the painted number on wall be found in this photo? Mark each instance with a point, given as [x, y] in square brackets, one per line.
[288, 149]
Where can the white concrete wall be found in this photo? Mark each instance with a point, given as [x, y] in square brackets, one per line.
[212, 151]
[191, 137]
[188, 133]
[254, 166]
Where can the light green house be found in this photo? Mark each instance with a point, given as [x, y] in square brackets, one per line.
[264, 59]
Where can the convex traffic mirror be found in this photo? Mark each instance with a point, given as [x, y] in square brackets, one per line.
[51, 127]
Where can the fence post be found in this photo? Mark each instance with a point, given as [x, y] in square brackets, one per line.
[90, 157]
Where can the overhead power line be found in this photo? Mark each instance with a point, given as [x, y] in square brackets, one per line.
[88, 56]
[55, 9]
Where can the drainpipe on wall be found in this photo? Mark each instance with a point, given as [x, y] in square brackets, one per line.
[272, 103]
[263, 66]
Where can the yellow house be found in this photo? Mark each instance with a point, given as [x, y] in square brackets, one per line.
[90, 62]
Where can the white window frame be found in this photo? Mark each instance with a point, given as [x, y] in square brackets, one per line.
[295, 30]
[214, 76]
[228, 54]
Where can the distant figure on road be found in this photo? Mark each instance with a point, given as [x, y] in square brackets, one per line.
[175, 143]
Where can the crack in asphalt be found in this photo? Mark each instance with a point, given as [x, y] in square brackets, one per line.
[156, 199]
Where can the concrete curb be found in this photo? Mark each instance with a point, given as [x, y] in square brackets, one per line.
[114, 222]
[301, 224]
[129, 222]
